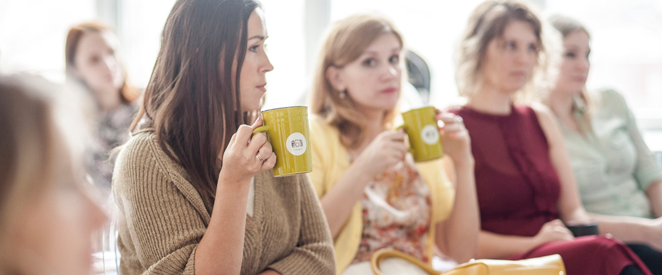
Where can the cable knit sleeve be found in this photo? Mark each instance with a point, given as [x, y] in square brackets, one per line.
[160, 224]
[314, 251]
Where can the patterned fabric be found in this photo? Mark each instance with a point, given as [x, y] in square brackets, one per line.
[396, 213]
[111, 130]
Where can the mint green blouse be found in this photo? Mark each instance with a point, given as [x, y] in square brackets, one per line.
[612, 164]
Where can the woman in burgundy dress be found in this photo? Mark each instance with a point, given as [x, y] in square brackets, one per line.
[525, 186]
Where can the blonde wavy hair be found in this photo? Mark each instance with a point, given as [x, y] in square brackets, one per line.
[345, 42]
[488, 22]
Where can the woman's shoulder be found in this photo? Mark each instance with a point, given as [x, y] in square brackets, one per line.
[610, 100]
[319, 122]
[321, 130]
[541, 111]
[141, 141]
[459, 110]
[143, 152]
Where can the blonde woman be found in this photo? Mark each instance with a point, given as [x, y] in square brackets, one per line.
[373, 195]
[525, 186]
[46, 218]
[615, 171]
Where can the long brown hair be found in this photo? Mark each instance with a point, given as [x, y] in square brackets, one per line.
[192, 100]
[487, 22]
[344, 43]
[128, 93]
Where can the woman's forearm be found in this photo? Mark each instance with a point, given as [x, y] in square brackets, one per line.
[496, 246]
[654, 193]
[340, 200]
[457, 237]
[626, 229]
[221, 249]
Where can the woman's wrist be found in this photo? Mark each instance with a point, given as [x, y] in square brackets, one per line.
[360, 168]
[650, 229]
[464, 162]
[232, 184]
[359, 173]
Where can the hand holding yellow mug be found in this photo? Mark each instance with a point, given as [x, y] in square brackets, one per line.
[423, 133]
[287, 129]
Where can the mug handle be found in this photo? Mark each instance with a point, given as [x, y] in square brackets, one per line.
[261, 129]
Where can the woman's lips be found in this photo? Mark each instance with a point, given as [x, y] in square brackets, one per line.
[518, 74]
[389, 90]
[580, 79]
[262, 88]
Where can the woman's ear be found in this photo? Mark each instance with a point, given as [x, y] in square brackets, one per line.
[334, 76]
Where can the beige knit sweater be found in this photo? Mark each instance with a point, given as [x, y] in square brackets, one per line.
[162, 218]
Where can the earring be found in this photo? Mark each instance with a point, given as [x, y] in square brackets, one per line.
[342, 94]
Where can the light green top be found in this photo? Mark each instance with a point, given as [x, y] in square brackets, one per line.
[612, 164]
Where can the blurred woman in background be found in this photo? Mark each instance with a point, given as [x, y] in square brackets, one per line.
[616, 173]
[93, 60]
[526, 190]
[46, 216]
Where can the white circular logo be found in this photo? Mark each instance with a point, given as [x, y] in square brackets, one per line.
[296, 144]
[430, 134]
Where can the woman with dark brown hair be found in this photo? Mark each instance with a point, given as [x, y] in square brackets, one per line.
[93, 61]
[193, 186]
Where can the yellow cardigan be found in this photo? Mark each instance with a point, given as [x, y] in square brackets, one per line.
[331, 160]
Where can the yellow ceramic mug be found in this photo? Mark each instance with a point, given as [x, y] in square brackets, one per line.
[287, 129]
[423, 133]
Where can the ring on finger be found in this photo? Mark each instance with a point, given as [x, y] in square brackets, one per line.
[259, 157]
[458, 119]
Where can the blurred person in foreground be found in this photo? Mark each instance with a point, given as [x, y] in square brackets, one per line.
[46, 215]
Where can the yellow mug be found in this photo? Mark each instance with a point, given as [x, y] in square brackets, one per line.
[423, 133]
[287, 130]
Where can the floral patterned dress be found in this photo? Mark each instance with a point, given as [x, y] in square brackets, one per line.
[396, 213]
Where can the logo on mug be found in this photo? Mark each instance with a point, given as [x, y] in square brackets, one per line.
[296, 144]
[430, 134]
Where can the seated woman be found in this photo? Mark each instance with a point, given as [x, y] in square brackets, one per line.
[373, 194]
[93, 60]
[194, 187]
[47, 218]
[616, 173]
[525, 185]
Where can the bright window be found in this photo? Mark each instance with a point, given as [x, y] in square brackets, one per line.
[33, 33]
